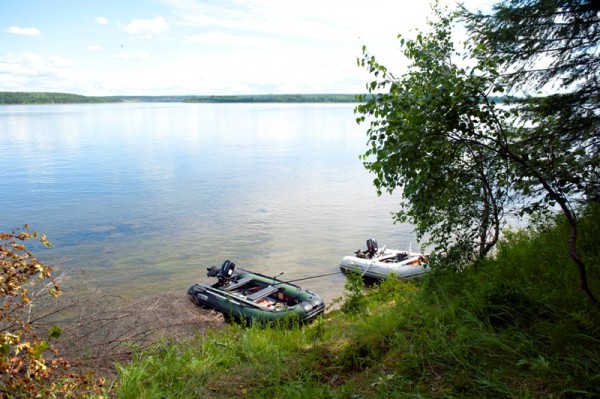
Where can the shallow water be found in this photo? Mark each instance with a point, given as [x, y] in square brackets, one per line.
[145, 197]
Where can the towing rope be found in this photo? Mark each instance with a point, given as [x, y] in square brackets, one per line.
[308, 278]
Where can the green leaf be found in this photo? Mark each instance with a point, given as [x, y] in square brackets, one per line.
[5, 349]
[55, 332]
[39, 348]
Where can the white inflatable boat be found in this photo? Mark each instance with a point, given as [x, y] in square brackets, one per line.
[378, 264]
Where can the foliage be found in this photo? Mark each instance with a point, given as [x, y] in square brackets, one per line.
[462, 161]
[7, 97]
[355, 301]
[552, 42]
[548, 50]
[511, 328]
[434, 136]
[277, 98]
[29, 365]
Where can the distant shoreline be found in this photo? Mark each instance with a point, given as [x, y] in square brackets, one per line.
[11, 98]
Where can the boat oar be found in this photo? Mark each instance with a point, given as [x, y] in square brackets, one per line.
[274, 278]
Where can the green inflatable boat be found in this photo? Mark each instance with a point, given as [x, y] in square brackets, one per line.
[249, 297]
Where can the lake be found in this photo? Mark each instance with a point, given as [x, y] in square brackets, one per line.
[145, 196]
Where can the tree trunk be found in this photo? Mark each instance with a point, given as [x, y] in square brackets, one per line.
[583, 282]
[571, 218]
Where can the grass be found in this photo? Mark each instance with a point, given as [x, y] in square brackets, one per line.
[516, 326]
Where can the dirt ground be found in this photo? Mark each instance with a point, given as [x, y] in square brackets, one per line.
[99, 330]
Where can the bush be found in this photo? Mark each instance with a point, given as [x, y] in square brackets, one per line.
[29, 364]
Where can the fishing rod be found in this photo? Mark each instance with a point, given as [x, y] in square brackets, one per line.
[305, 278]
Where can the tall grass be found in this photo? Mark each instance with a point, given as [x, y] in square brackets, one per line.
[517, 326]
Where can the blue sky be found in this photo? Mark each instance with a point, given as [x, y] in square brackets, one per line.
[202, 47]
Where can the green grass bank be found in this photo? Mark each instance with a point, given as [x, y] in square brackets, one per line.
[516, 326]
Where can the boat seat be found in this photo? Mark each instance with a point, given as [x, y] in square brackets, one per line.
[268, 290]
[239, 283]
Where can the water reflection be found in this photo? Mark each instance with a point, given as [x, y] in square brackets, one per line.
[147, 196]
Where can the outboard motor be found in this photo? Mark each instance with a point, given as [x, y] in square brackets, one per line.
[226, 271]
[371, 247]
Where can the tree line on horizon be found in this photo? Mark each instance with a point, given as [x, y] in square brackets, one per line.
[8, 98]
[68, 98]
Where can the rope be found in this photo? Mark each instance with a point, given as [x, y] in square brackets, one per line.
[308, 278]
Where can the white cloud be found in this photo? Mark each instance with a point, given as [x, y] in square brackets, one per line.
[23, 31]
[232, 40]
[312, 19]
[278, 18]
[56, 61]
[147, 27]
[343, 28]
[285, 70]
[221, 47]
[32, 72]
[136, 55]
[101, 20]
[34, 61]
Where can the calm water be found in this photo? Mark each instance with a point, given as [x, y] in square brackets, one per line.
[146, 196]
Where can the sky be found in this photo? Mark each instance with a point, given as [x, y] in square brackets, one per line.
[202, 47]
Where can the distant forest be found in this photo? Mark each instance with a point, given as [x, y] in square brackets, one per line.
[7, 97]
